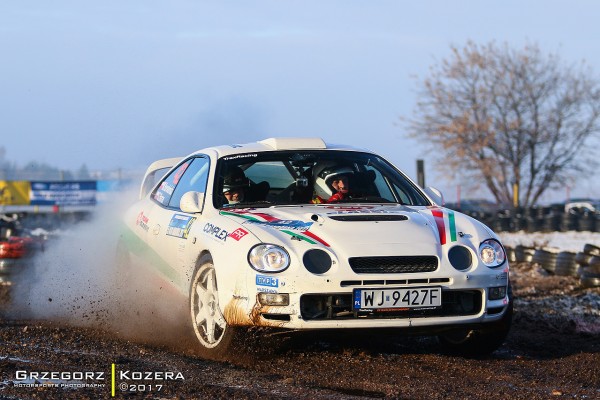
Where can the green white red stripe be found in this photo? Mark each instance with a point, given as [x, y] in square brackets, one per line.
[266, 218]
[445, 223]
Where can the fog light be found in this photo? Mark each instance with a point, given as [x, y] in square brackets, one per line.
[274, 299]
[497, 293]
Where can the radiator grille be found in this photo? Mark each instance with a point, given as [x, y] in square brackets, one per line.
[393, 264]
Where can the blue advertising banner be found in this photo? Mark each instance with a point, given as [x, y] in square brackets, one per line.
[82, 193]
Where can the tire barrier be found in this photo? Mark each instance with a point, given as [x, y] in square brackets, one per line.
[524, 253]
[510, 254]
[590, 282]
[546, 259]
[591, 249]
[583, 259]
[539, 219]
[589, 266]
[585, 264]
[566, 264]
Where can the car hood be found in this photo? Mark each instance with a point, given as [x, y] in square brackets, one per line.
[363, 229]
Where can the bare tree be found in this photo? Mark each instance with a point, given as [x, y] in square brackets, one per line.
[516, 119]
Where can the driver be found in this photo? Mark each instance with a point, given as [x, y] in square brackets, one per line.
[235, 185]
[332, 184]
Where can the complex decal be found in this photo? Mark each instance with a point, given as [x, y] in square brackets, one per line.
[238, 234]
[444, 220]
[180, 225]
[294, 228]
[215, 231]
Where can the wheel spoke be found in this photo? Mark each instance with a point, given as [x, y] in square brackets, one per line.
[207, 317]
[210, 329]
[220, 320]
[201, 317]
[210, 283]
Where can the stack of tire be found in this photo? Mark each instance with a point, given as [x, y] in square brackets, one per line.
[510, 254]
[553, 218]
[546, 258]
[589, 260]
[566, 265]
[588, 222]
[524, 253]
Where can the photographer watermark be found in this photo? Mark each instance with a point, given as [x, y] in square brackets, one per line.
[121, 380]
[129, 381]
[60, 379]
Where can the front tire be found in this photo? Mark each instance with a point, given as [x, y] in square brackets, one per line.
[212, 331]
[476, 343]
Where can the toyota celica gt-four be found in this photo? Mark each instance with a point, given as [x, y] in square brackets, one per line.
[297, 233]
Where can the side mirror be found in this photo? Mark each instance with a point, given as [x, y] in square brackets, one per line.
[435, 195]
[192, 202]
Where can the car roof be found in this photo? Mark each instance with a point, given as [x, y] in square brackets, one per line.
[278, 143]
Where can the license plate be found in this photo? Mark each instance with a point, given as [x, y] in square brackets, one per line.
[417, 297]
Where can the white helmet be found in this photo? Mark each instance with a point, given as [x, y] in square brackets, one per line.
[324, 174]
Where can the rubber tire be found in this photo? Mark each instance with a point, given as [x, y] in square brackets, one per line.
[214, 335]
[591, 270]
[565, 264]
[591, 249]
[589, 282]
[546, 259]
[478, 343]
[583, 259]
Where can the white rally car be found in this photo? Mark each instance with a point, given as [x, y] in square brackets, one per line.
[296, 233]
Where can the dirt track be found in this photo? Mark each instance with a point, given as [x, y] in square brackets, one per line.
[553, 351]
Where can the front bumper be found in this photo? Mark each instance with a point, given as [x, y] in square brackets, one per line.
[463, 302]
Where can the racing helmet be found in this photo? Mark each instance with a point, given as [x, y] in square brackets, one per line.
[235, 179]
[324, 174]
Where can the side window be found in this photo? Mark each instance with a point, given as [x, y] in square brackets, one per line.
[381, 184]
[404, 198]
[164, 192]
[194, 179]
[385, 191]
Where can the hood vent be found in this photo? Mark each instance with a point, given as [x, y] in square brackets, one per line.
[370, 217]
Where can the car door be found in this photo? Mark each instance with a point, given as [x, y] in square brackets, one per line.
[168, 233]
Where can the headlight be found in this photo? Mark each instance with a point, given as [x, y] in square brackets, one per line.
[268, 258]
[492, 253]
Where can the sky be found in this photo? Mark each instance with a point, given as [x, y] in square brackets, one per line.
[119, 84]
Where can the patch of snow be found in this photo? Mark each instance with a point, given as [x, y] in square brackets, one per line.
[563, 241]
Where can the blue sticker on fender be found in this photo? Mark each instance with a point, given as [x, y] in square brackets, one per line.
[262, 280]
[180, 225]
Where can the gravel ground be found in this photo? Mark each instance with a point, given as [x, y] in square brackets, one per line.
[553, 351]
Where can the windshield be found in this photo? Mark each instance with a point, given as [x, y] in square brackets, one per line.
[310, 177]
